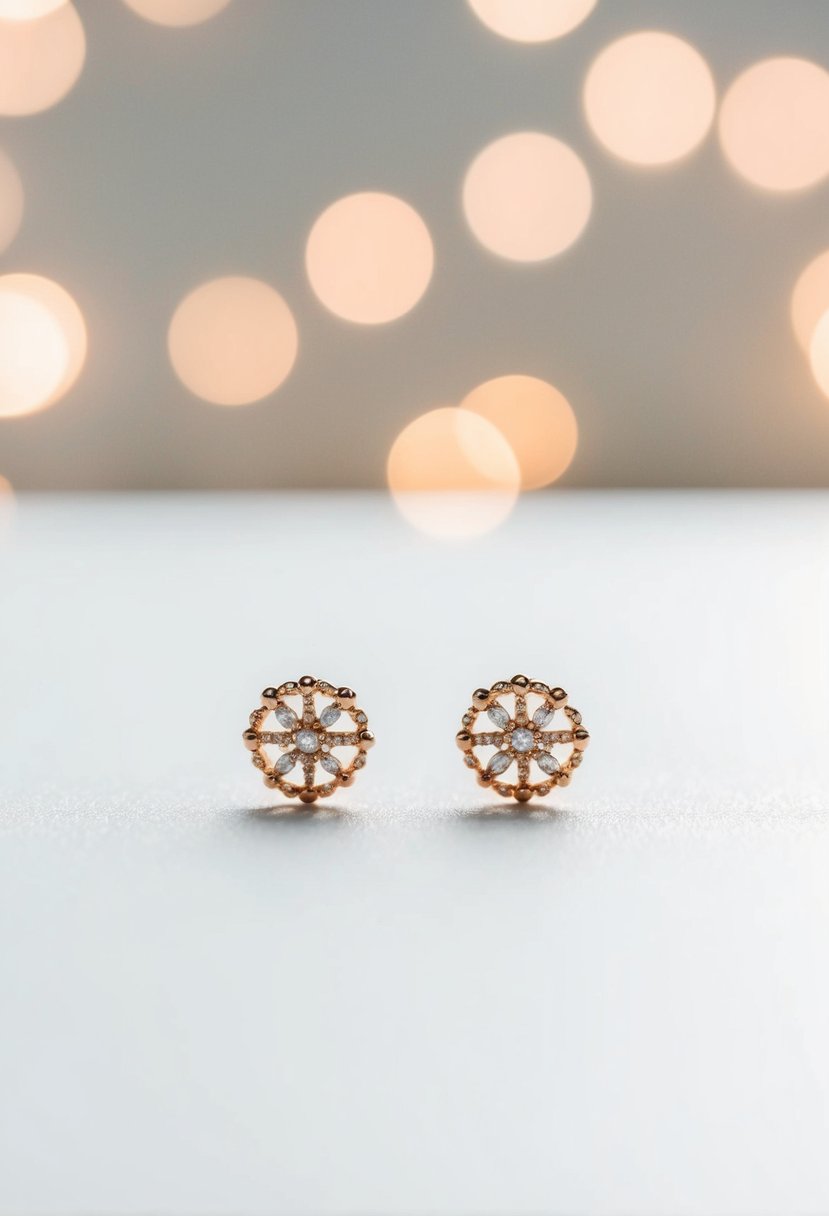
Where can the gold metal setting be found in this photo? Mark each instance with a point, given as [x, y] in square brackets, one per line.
[304, 737]
[524, 732]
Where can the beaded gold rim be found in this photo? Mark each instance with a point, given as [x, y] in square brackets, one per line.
[524, 731]
[304, 737]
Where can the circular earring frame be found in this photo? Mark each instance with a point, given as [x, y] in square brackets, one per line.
[304, 737]
[522, 735]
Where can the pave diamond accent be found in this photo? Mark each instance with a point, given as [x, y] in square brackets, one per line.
[488, 740]
[522, 740]
[499, 763]
[307, 741]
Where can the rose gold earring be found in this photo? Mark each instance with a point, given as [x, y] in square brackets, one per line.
[522, 717]
[333, 735]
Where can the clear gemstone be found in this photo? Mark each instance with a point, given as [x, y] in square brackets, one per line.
[548, 763]
[285, 716]
[285, 763]
[499, 762]
[498, 715]
[329, 715]
[330, 763]
[307, 741]
[523, 740]
[542, 715]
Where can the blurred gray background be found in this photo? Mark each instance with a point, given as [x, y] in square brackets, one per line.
[186, 154]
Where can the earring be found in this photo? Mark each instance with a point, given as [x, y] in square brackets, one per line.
[523, 736]
[303, 737]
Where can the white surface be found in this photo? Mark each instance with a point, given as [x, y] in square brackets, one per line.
[409, 1004]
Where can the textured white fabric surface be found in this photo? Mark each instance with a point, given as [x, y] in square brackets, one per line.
[413, 1002]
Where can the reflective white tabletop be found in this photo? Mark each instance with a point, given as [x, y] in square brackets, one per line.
[415, 1001]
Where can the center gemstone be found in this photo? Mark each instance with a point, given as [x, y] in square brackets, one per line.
[307, 741]
[522, 740]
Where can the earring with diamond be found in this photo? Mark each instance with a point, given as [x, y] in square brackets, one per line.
[333, 735]
[522, 717]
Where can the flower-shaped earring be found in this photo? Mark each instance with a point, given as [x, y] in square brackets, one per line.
[523, 715]
[304, 737]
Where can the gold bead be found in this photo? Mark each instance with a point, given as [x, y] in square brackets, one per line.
[346, 697]
[485, 779]
[480, 698]
[519, 682]
[251, 740]
[270, 781]
[558, 695]
[367, 739]
[270, 697]
[464, 740]
[307, 682]
[308, 795]
[347, 779]
[523, 794]
[580, 739]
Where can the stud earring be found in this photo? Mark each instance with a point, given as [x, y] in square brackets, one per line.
[522, 714]
[303, 737]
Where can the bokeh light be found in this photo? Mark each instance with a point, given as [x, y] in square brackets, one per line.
[810, 298]
[27, 10]
[536, 420]
[369, 258]
[649, 98]
[233, 340]
[11, 201]
[7, 507]
[33, 354]
[532, 20]
[819, 354]
[452, 474]
[527, 196]
[42, 343]
[774, 124]
[40, 60]
[177, 12]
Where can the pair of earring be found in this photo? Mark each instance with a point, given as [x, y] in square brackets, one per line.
[335, 736]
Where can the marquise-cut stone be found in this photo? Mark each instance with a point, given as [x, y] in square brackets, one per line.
[307, 741]
[542, 715]
[330, 763]
[285, 716]
[522, 740]
[285, 763]
[329, 715]
[499, 716]
[547, 763]
[499, 762]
